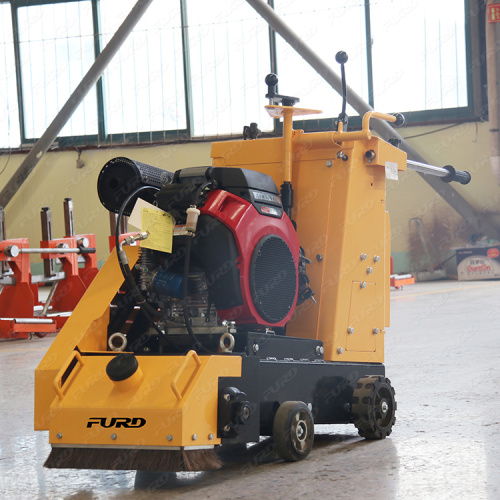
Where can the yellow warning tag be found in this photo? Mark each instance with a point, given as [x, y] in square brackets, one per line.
[160, 226]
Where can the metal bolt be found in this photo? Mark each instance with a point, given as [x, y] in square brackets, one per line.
[329, 163]
[255, 348]
[375, 331]
[340, 350]
[170, 437]
[370, 155]
[113, 436]
[210, 436]
[369, 270]
[227, 428]
[194, 437]
[363, 256]
[376, 258]
[342, 156]
[245, 413]
[319, 350]
[350, 330]
[384, 407]
[59, 435]
[227, 397]
[362, 284]
[319, 257]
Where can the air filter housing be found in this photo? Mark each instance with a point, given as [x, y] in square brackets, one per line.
[120, 177]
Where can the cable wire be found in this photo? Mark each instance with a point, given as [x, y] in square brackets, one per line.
[148, 311]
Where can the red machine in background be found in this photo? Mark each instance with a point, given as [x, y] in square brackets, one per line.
[399, 280]
[21, 311]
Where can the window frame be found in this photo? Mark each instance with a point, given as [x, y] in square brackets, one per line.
[475, 79]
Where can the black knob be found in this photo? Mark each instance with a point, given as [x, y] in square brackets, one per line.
[121, 367]
[400, 120]
[341, 57]
[271, 80]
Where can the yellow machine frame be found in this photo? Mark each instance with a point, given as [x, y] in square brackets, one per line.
[342, 225]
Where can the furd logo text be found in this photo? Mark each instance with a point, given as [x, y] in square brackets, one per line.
[117, 422]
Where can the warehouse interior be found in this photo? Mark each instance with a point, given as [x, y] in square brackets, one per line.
[170, 84]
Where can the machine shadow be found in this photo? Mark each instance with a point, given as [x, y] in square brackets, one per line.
[238, 458]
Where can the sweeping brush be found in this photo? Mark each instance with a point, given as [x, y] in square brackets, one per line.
[133, 459]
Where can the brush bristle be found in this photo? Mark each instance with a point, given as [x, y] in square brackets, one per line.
[137, 459]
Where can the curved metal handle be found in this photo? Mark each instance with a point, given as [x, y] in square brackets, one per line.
[182, 368]
[364, 133]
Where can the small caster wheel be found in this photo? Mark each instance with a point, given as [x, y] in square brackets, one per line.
[374, 407]
[293, 431]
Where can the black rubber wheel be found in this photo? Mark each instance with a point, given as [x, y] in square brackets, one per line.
[293, 431]
[374, 407]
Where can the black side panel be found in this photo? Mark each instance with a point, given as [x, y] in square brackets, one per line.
[265, 345]
[327, 386]
[214, 248]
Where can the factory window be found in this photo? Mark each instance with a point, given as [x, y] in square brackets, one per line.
[56, 45]
[429, 73]
[196, 69]
[406, 57]
[144, 86]
[327, 27]
[229, 60]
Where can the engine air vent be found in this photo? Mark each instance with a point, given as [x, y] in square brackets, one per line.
[273, 278]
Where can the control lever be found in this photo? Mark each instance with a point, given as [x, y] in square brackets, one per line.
[275, 98]
[341, 58]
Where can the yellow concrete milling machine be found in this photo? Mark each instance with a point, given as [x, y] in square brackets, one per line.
[245, 311]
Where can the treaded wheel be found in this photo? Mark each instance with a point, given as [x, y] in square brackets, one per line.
[293, 431]
[374, 407]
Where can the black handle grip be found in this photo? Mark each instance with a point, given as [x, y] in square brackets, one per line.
[456, 175]
[400, 119]
[84, 250]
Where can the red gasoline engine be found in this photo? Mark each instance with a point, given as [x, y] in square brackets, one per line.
[244, 260]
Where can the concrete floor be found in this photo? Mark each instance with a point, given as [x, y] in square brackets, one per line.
[442, 354]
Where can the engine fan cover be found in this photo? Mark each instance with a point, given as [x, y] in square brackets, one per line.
[272, 269]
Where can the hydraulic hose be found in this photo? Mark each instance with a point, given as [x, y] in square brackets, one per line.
[148, 311]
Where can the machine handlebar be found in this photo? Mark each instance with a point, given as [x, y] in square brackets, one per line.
[456, 175]
[447, 173]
